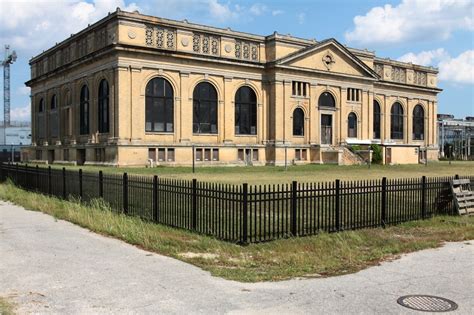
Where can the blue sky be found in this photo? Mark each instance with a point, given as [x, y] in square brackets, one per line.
[438, 33]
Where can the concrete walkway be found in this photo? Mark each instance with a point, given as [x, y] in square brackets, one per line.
[49, 266]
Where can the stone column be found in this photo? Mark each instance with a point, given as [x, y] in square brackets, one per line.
[185, 109]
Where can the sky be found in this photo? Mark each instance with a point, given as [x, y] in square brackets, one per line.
[437, 33]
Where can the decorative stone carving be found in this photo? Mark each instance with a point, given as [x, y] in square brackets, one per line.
[419, 78]
[378, 68]
[228, 48]
[131, 34]
[149, 36]
[398, 75]
[206, 44]
[328, 60]
[246, 51]
[184, 42]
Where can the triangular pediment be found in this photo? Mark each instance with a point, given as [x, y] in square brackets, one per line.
[328, 56]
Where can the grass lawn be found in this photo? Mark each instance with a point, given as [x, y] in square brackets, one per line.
[317, 256]
[6, 308]
[301, 173]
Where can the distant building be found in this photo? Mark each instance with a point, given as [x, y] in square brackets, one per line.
[13, 139]
[456, 137]
[132, 88]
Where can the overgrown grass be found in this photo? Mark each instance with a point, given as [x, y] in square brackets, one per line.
[6, 308]
[318, 256]
[302, 173]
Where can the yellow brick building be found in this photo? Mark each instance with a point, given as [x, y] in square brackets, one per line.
[133, 89]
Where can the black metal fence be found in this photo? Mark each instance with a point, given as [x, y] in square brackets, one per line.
[247, 213]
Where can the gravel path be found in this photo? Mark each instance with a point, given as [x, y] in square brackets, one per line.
[55, 267]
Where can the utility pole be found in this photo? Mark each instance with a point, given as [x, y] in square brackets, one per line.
[9, 59]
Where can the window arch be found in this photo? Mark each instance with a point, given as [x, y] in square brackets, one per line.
[377, 120]
[84, 111]
[40, 133]
[352, 125]
[103, 106]
[396, 121]
[53, 117]
[205, 108]
[418, 123]
[159, 106]
[298, 122]
[245, 111]
[326, 100]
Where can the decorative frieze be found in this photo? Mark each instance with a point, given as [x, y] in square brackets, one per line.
[398, 75]
[246, 50]
[378, 68]
[206, 44]
[160, 37]
[419, 78]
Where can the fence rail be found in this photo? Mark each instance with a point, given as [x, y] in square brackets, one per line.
[247, 213]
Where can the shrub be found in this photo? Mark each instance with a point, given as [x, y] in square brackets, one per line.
[376, 154]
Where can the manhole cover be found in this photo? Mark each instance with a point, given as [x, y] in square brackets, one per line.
[427, 303]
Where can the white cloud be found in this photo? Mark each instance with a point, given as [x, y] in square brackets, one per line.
[301, 18]
[412, 20]
[258, 9]
[29, 26]
[425, 58]
[457, 70]
[277, 12]
[20, 113]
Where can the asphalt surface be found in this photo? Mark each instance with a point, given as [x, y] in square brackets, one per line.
[54, 267]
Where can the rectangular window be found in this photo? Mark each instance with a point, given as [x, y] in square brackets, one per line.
[299, 88]
[207, 154]
[297, 154]
[354, 95]
[152, 154]
[161, 155]
[198, 154]
[170, 155]
[301, 154]
[66, 155]
[240, 154]
[215, 154]
[255, 155]
[38, 154]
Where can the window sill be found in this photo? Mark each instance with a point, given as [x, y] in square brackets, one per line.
[300, 97]
[244, 135]
[205, 134]
[159, 133]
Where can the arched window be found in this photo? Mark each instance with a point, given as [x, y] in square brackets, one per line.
[298, 122]
[84, 111]
[53, 117]
[204, 108]
[376, 125]
[396, 121]
[326, 100]
[103, 106]
[418, 123]
[245, 111]
[40, 123]
[159, 107]
[352, 125]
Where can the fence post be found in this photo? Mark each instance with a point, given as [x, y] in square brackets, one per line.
[101, 184]
[49, 181]
[245, 213]
[1, 171]
[80, 183]
[423, 197]
[155, 198]
[64, 183]
[37, 177]
[338, 205]
[384, 201]
[194, 205]
[294, 187]
[125, 193]
[456, 176]
[16, 174]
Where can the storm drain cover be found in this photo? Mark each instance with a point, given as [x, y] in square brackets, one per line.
[427, 303]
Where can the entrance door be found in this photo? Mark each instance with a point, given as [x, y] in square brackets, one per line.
[326, 129]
